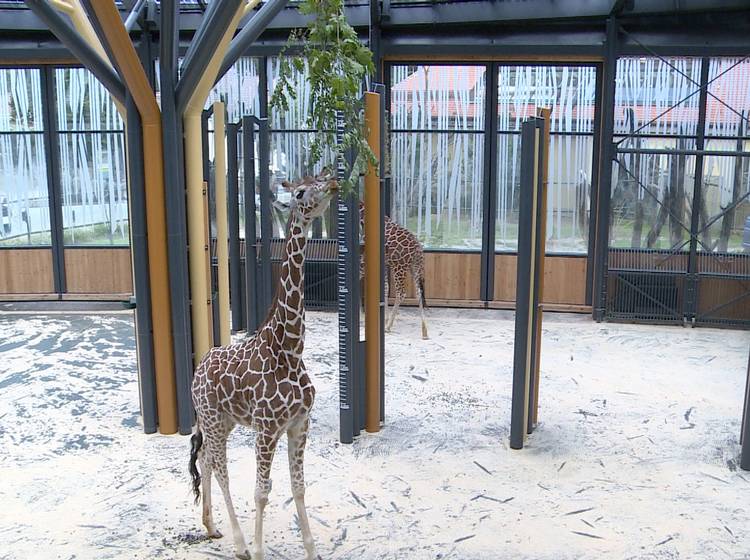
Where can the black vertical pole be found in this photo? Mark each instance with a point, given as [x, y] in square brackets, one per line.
[266, 223]
[489, 196]
[252, 317]
[385, 209]
[605, 173]
[233, 218]
[745, 428]
[174, 181]
[692, 278]
[524, 287]
[211, 193]
[347, 331]
[142, 289]
[54, 182]
[596, 168]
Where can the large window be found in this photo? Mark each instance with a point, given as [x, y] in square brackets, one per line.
[570, 93]
[24, 198]
[437, 153]
[92, 161]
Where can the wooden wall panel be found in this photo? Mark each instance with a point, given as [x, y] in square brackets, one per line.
[26, 271]
[715, 292]
[98, 271]
[450, 276]
[564, 279]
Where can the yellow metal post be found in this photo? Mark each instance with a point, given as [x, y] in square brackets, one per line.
[372, 266]
[222, 229]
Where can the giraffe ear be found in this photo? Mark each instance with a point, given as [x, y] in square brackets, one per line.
[287, 185]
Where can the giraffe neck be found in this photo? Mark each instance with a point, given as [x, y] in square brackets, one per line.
[288, 319]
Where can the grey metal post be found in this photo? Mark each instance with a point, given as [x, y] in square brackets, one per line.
[174, 180]
[51, 146]
[594, 191]
[692, 279]
[605, 174]
[521, 346]
[745, 433]
[489, 195]
[355, 300]
[266, 223]
[142, 290]
[211, 195]
[233, 217]
[252, 317]
[346, 329]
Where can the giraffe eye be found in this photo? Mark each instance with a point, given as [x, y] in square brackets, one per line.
[300, 194]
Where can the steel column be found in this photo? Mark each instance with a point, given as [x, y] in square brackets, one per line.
[596, 177]
[140, 260]
[54, 182]
[489, 196]
[266, 219]
[235, 276]
[690, 309]
[605, 172]
[252, 317]
[210, 196]
[745, 428]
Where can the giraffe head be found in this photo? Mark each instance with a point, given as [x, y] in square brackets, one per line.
[311, 195]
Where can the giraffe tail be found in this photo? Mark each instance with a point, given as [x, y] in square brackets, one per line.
[421, 292]
[196, 442]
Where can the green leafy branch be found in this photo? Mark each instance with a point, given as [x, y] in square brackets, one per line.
[337, 65]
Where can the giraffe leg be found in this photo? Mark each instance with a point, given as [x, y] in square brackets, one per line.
[399, 279]
[217, 449]
[208, 517]
[265, 447]
[420, 297]
[297, 436]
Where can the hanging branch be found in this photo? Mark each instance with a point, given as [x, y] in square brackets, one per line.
[338, 64]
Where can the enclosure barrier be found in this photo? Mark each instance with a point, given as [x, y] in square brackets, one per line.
[745, 429]
[529, 280]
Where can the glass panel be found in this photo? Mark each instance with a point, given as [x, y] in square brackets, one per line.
[652, 197]
[728, 103]
[22, 109]
[437, 97]
[437, 187]
[295, 117]
[570, 91]
[725, 208]
[83, 103]
[94, 189]
[238, 89]
[24, 199]
[649, 89]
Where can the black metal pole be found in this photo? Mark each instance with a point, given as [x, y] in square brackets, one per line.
[745, 429]
[211, 194]
[692, 279]
[54, 181]
[233, 218]
[252, 317]
[594, 188]
[489, 196]
[174, 181]
[605, 172]
[266, 219]
[524, 287]
[346, 329]
[139, 248]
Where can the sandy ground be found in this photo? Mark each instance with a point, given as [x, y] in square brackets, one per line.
[635, 457]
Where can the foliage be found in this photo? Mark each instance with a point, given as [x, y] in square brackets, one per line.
[338, 64]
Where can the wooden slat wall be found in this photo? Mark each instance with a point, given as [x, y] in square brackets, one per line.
[713, 292]
[453, 276]
[98, 271]
[26, 271]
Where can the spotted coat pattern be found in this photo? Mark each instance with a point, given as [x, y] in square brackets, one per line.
[404, 256]
[262, 383]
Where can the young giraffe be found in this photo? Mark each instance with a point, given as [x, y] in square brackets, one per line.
[261, 383]
[403, 254]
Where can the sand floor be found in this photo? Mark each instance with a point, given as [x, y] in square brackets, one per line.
[635, 457]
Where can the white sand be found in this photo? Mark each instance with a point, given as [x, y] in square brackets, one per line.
[635, 456]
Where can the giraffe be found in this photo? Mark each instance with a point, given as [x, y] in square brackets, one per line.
[403, 255]
[262, 383]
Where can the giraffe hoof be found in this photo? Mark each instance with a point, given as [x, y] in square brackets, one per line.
[215, 534]
[244, 556]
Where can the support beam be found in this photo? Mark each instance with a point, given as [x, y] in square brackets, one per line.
[220, 17]
[222, 233]
[250, 33]
[88, 56]
[129, 64]
[134, 14]
[745, 428]
[372, 266]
